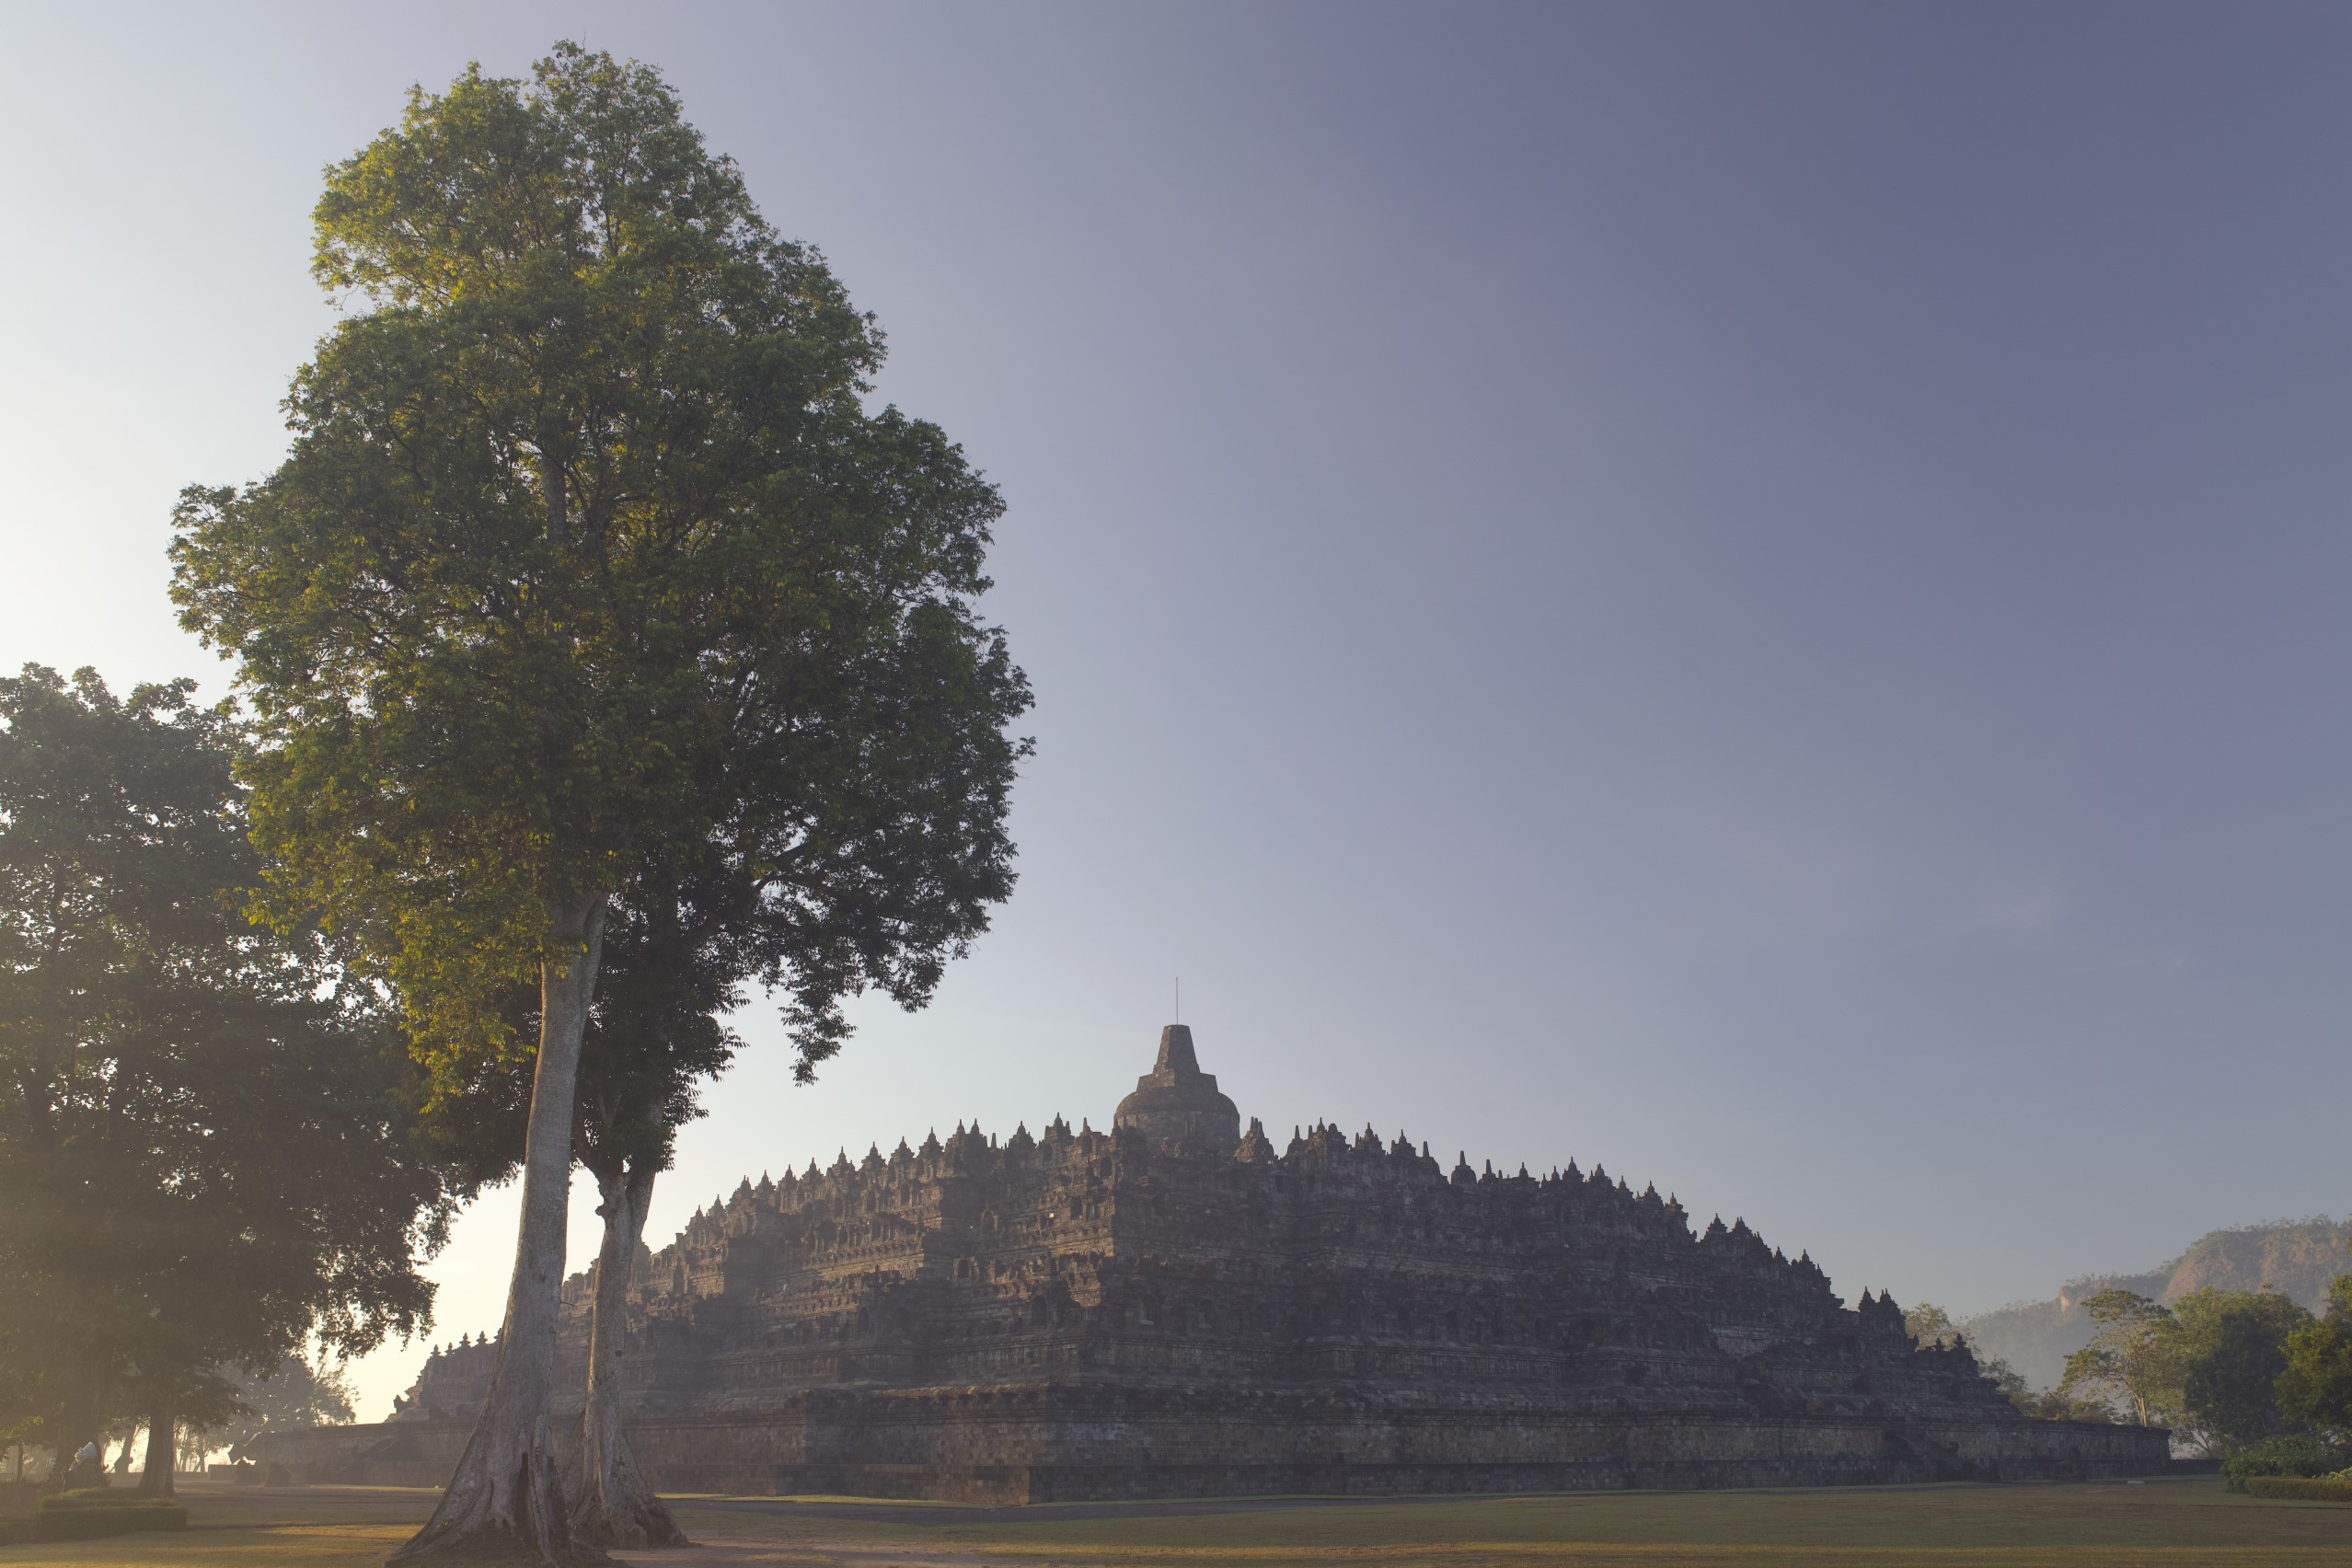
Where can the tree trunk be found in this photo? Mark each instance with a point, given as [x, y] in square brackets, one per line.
[505, 1501]
[615, 1507]
[162, 1457]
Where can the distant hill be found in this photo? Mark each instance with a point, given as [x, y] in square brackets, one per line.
[2298, 1257]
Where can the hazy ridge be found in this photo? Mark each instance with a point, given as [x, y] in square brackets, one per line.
[2297, 1256]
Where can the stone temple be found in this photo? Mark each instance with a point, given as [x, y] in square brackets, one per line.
[1181, 1308]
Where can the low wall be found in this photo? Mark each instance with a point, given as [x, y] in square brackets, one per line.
[1054, 1444]
[388, 1453]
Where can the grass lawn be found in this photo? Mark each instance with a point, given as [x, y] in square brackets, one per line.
[2186, 1522]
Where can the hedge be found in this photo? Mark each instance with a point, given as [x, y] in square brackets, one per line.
[76, 1518]
[2296, 1454]
[119, 1503]
[2308, 1488]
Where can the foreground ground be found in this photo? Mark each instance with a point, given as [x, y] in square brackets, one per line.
[2187, 1522]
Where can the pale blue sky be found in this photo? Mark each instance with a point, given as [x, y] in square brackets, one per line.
[1756, 593]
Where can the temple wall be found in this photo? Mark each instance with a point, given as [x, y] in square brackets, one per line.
[1045, 1445]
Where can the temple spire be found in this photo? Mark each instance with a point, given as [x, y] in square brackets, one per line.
[1176, 1053]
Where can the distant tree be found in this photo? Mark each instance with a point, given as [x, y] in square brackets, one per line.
[2010, 1381]
[588, 553]
[2133, 1358]
[2314, 1387]
[195, 1443]
[2060, 1404]
[199, 1134]
[301, 1390]
[1928, 1324]
[2231, 1346]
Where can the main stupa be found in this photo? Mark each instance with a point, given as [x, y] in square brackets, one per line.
[1177, 1107]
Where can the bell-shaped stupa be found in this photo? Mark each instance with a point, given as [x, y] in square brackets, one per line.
[1176, 1106]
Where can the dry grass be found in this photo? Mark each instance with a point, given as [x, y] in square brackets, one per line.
[2168, 1524]
[229, 1528]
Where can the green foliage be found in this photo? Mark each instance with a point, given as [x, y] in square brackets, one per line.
[2314, 1386]
[677, 946]
[298, 1392]
[198, 1132]
[2057, 1404]
[2014, 1387]
[1928, 1324]
[673, 950]
[2206, 1365]
[587, 554]
[2131, 1360]
[2300, 1489]
[2231, 1347]
[2292, 1454]
[2296, 1257]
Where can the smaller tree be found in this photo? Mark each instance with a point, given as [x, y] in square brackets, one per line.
[2010, 1381]
[2132, 1359]
[199, 1135]
[2061, 1404]
[299, 1391]
[674, 945]
[672, 953]
[1928, 1324]
[2314, 1386]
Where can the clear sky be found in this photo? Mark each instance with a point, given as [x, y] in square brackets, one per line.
[1755, 594]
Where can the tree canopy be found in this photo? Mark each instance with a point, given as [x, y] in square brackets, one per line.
[2233, 1348]
[201, 1136]
[2132, 1359]
[588, 550]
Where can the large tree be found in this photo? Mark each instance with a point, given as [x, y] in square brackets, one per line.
[589, 557]
[199, 1135]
